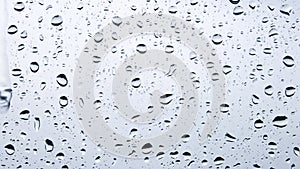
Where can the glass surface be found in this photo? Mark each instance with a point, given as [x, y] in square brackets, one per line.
[149, 84]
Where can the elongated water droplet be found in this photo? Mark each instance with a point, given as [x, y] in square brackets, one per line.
[62, 80]
[19, 6]
[56, 20]
[9, 149]
[280, 121]
[288, 61]
[12, 29]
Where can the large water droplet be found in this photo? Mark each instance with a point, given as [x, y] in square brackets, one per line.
[234, 1]
[280, 121]
[98, 37]
[147, 148]
[286, 9]
[62, 80]
[290, 91]
[19, 6]
[9, 149]
[34, 67]
[117, 20]
[258, 124]
[136, 82]
[288, 61]
[219, 160]
[25, 114]
[141, 48]
[63, 101]
[269, 90]
[56, 20]
[238, 10]
[49, 146]
[12, 29]
[217, 39]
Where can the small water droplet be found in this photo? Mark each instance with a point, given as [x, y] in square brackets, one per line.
[224, 108]
[290, 91]
[141, 48]
[269, 90]
[172, 9]
[259, 124]
[49, 146]
[147, 148]
[19, 6]
[296, 151]
[288, 61]
[286, 9]
[255, 99]
[234, 1]
[117, 20]
[217, 39]
[238, 10]
[34, 67]
[12, 29]
[25, 114]
[37, 123]
[98, 37]
[60, 156]
[169, 49]
[227, 69]
[63, 101]
[136, 82]
[219, 160]
[56, 20]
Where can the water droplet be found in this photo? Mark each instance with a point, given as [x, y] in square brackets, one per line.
[12, 29]
[252, 51]
[147, 148]
[296, 151]
[136, 82]
[169, 49]
[117, 20]
[60, 156]
[252, 4]
[98, 37]
[255, 99]
[63, 101]
[80, 5]
[267, 51]
[280, 121]
[37, 123]
[238, 10]
[56, 20]
[286, 9]
[19, 6]
[185, 138]
[269, 90]
[259, 124]
[172, 9]
[217, 39]
[166, 98]
[227, 69]
[288, 61]
[9, 149]
[224, 108]
[219, 160]
[62, 80]
[234, 1]
[34, 67]
[141, 48]
[230, 137]
[290, 91]
[49, 146]
[25, 114]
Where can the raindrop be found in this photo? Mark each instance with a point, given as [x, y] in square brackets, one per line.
[227, 69]
[169, 49]
[37, 123]
[98, 37]
[56, 20]
[224, 108]
[288, 61]
[5, 97]
[258, 124]
[269, 90]
[234, 1]
[19, 6]
[117, 20]
[12, 29]
[273, 32]
[280, 121]
[25, 114]
[290, 91]
[230, 137]
[217, 39]
[141, 48]
[286, 9]
[297, 151]
[238, 10]
[60, 156]
[172, 9]
[136, 82]
[166, 98]
[49, 146]
[147, 148]
[255, 99]
[62, 80]
[34, 67]
[80, 5]
[9, 149]
[219, 160]
[63, 101]
[252, 51]
[267, 51]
